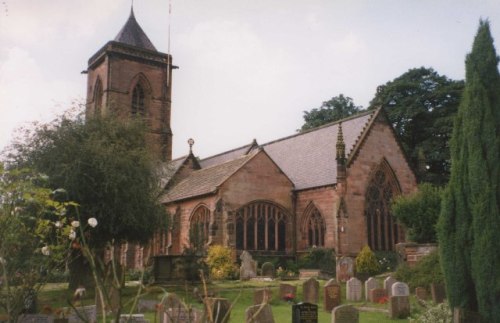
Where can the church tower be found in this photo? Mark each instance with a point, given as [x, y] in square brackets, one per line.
[130, 78]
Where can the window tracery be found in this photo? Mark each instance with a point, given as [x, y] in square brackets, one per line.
[199, 226]
[138, 101]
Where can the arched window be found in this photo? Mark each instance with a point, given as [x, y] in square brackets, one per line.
[382, 230]
[138, 102]
[314, 227]
[98, 93]
[199, 226]
[261, 226]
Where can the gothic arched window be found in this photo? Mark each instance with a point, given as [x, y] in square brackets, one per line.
[314, 228]
[98, 93]
[382, 230]
[261, 226]
[199, 226]
[138, 101]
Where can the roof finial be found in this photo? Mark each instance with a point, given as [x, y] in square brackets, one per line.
[131, 7]
[340, 144]
[190, 143]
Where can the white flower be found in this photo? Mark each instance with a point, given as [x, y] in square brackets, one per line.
[92, 222]
[46, 251]
[58, 224]
[72, 235]
[2, 261]
[75, 224]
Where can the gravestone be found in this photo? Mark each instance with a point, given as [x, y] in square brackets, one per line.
[354, 291]
[304, 313]
[172, 301]
[388, 285]
[183, 314]
[133, 318]
[438, 293]
[400, 289]
[35, 318]
[332, 295]
[287, 289]
[376, 294]
[461, 315]
[421, 293]
[144, 305]
[248, 267]
[220, 310]
[310, 291]
[83, 314]
[399, 307]
[114, 300]
[370, 283]
[262, 295]
[345, 269]
[268, 270]
[259, 314]
[345, 314]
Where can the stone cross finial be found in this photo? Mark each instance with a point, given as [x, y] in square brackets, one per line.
[190, 143]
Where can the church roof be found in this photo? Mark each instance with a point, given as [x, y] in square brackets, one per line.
[228, 155]
[132, 34]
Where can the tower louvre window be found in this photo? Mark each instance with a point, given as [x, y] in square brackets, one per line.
[138, 102]
[98, 93]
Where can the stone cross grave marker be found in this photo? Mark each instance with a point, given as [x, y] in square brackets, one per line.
[304, 313]
[438, 293]
[248, 267]
[332, 295]
[370, 283]
[354, 290]
[220, 309]
[421, 293]
[259, 314]
[310, 291]
[268, 270]
[262, 295]
[345, 314]
[400, 289]
[388, 284]
[287, 289]
[376, 294]
[399, 307]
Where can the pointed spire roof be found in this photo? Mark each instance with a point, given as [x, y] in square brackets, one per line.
[132, 34]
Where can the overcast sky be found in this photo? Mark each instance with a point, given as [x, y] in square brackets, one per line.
[248, 68]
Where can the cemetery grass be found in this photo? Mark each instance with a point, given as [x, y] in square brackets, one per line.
[241, 293]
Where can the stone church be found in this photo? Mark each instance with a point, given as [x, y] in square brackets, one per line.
[328, 187]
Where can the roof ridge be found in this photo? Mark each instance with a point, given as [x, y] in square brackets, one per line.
[227, 151]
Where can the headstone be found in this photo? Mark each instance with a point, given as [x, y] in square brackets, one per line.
[144, 305]
[133, 318]
[262, 295]
[268, 270]
[248, 267]
[83, 314]
[287, 290]
[376, 295]
[259, 314]
[219, 309]
[421, 293]
[461, 315]
[304, 313]
[310, 291]
[345, 314]
[400, 289]
[35, 318]
[354, 291]
[388, 285]
[183, 314]
[370, 283]
[345, 268]
[399, 307]
[332, 296]
[438, 293]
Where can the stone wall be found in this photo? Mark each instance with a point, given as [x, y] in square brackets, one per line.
[413, 252]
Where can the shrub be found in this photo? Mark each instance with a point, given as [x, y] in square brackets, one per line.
[425, 272]
[318, 258]
[387, 260]
[366, 262]
[220, 263]
[439, 313]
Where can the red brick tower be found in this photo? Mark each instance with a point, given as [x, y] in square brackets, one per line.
[130, 78]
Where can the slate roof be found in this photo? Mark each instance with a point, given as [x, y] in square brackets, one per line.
[228, 155]
[205, 180]
[132, 34]
[167, 170]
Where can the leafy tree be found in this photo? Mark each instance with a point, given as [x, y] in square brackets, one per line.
[470, 217]
[421, 105]
[104, 166]
[419, 212]
[338, 107]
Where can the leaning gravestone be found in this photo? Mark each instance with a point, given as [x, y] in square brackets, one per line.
[354, 290]
[248, 267]
[399, 307]
[183, 314]
[310, 291]
[332, 295]
[400, 289]
[259, 314]
[388, 284]
[219, 309]
[370, 283]
[268, 270]
[262, 295]
[438, 293]
[345, 314]
[304, 313]
[376, 295]
[287, 290]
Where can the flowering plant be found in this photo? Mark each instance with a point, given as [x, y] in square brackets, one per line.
[383, 300]
[289, 297]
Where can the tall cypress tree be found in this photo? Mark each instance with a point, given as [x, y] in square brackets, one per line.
[470, 214]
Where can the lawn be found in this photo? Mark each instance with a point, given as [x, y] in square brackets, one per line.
[241, 293]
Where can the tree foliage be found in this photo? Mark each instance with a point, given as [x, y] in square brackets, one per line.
[419, 212]
[337, 108]
[470, 216]
[421, 105]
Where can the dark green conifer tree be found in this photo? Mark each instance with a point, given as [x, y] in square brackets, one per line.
[470, 214]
